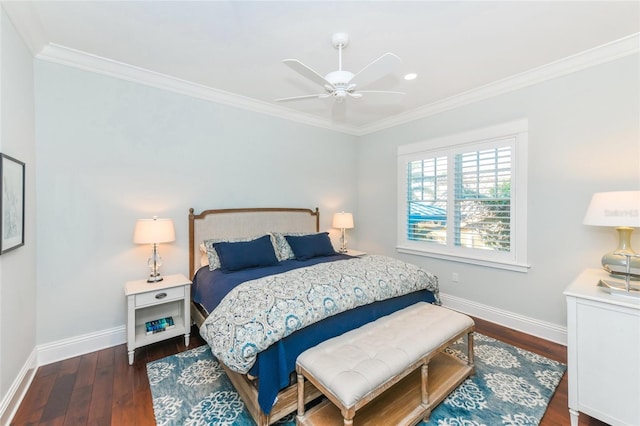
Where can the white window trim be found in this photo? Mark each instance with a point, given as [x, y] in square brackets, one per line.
[516, 260]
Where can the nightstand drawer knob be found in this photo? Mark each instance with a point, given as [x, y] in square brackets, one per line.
[161, 295]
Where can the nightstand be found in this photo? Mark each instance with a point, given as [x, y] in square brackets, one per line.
[151, 301]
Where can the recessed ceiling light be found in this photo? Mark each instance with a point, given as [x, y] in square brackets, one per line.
[411, 76]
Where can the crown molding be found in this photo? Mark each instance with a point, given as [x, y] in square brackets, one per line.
[595, 56]
[588, 58]
[66, 56]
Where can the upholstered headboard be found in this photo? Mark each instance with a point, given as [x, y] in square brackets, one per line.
[229, 223]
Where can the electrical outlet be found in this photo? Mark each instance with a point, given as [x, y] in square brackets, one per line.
[455, 277]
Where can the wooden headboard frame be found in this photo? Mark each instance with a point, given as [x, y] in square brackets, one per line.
[229, 223]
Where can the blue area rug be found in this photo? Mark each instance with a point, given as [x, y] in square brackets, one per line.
[511, 387]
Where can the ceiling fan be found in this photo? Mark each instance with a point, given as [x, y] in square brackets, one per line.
[341, 83]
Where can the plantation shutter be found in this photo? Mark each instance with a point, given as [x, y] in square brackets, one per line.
[463, 197]
[482, 202]
[427, 199]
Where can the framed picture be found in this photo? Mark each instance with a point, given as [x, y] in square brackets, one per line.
[11, 204]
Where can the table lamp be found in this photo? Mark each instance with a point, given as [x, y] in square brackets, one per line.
[343, 221]
[620, 210]
[154, 231]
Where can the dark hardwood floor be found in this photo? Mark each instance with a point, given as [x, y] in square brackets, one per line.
[101, 388]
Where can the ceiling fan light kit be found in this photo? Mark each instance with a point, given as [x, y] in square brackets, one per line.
[340, 84]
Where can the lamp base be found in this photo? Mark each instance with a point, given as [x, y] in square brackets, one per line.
[155, 279]
[154, 263]
[623, 261]
[343, 242]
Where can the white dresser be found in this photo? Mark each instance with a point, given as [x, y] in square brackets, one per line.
[603, 352]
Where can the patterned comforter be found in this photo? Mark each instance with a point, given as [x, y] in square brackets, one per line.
[260, 312]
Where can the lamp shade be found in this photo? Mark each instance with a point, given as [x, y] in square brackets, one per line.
[343, 220]
[617, 209]
[153, 231]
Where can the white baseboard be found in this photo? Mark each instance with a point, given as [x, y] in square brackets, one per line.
[80, 345]
[12, 399]
[542, 329]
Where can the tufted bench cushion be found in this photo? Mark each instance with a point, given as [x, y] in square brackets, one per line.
[353, 368]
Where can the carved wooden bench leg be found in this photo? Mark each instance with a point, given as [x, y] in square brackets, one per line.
[425, 390]
[300, 395]
[347, 415]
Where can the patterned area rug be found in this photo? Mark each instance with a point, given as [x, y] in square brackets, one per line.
[511, 387]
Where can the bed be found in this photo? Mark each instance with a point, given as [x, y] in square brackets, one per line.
[308, 295]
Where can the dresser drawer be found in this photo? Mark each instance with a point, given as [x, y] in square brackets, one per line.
[159, 296]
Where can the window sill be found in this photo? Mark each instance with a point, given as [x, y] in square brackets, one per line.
[497, 264]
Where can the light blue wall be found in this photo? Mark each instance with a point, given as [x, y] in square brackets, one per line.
[111, 151]
[17, 267]
[584, 137]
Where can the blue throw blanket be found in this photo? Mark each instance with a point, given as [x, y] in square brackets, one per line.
[258, 313]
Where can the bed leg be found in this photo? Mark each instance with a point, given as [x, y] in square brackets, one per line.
[264, 420]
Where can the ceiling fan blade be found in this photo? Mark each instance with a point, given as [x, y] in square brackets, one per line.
[376, 69]
[389, 92]
[300, 98]
[307, 72]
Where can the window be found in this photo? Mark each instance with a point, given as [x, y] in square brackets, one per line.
[463, 197]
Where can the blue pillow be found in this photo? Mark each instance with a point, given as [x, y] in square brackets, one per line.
[306, 247]
[245, 254]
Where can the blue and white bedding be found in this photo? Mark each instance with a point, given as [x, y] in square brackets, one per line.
[260, 312]
[211, 286]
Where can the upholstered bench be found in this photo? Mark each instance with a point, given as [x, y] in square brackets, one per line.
[390, 371]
